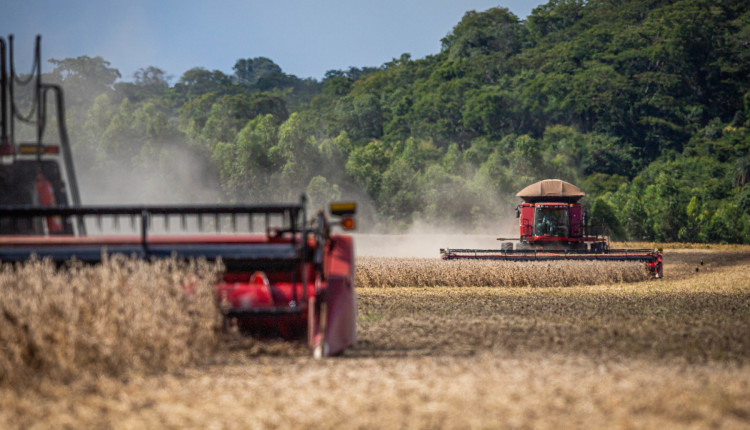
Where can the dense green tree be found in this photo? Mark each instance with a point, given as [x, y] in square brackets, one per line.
[245, 164]
[250, 70]
[84, 78]
[149, 82]
[367, 164]
[199, 81]
[554, 17]
[230, 113]
[603, 219]
[491, 32]
[227, 117]
[361, 116]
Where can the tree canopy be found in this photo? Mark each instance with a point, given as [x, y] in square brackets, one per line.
[645, 104]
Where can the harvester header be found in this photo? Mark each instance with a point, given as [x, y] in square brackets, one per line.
[553, 226]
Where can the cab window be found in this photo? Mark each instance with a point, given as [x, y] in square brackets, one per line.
[551, 222]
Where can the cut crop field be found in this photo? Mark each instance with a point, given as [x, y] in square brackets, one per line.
[612, 352]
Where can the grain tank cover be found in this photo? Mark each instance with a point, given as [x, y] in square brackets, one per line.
[551, 190]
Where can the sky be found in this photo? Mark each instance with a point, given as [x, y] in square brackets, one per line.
[305, 38]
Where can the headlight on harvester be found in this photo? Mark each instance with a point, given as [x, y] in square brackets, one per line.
[348, 223]
[345, 211]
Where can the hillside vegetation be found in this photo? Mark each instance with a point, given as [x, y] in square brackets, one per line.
[645, 104]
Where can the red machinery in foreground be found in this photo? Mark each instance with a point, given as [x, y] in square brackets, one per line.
[294, 280]
[553, 226]
[286, 275]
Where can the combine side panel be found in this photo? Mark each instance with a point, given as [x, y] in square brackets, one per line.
[332, 324]
[575, 213]
[527, 221]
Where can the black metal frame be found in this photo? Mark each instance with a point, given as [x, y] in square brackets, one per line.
[9, 112]
[3, 96]
[646, 255]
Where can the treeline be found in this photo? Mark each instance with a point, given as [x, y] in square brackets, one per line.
[645, 104]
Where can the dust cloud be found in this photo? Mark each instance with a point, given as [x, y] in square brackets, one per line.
[424, 240]
[176, 176]
[179, 176]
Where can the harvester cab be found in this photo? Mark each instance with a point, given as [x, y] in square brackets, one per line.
[551, 217]
[285, 274]
[553, 226]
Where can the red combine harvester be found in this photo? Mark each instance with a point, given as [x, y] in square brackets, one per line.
[553, 226]
[286, 275]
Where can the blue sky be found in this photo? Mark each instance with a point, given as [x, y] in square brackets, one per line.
[305, 38]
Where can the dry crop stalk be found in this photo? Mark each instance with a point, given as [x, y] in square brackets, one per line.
[427, 272]
[120, 316]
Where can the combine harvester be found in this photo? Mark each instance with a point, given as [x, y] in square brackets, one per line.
[553, 227]
[286, 275]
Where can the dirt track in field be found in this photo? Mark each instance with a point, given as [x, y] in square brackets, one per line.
[673, 353]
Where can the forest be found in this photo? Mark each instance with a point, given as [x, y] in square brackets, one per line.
[644, 104]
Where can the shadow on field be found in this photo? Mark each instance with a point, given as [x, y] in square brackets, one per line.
[683, 263]
[693, 326]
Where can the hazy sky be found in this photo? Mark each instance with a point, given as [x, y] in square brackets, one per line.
[305, 38]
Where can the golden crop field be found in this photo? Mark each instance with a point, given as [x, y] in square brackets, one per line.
[118, 317]
[430, 272]
[610, 353]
